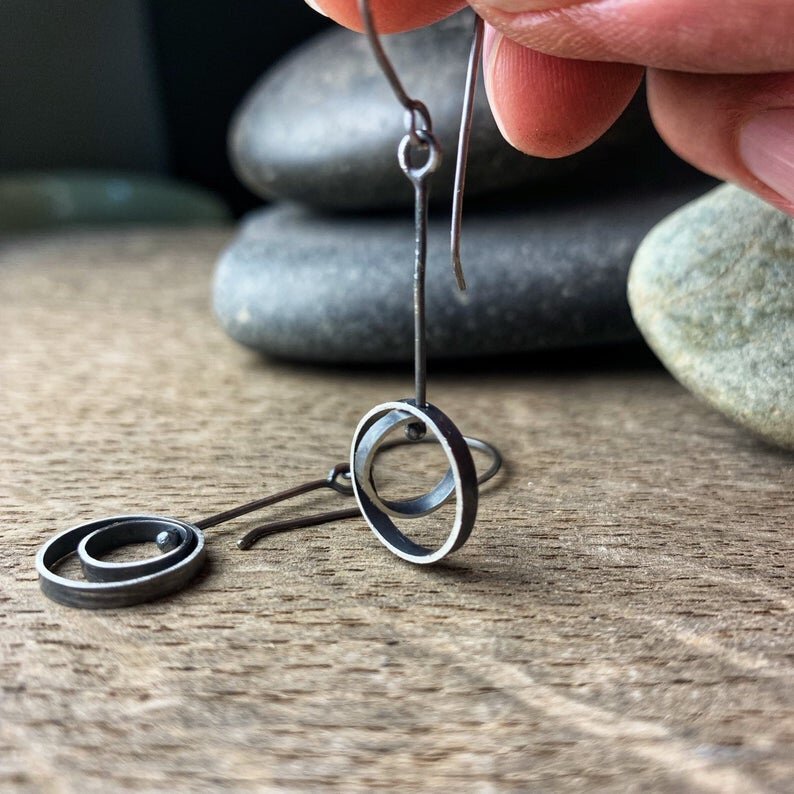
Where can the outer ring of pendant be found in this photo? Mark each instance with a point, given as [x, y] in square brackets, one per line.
[370, 435]
[147, 579]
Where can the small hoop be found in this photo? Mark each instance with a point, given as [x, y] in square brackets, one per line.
[338, 479]
[428, 142]
[370, 435]
[172, 574]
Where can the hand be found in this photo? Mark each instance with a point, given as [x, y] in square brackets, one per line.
[558, 73]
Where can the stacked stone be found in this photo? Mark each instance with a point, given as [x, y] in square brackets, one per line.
[325, 274]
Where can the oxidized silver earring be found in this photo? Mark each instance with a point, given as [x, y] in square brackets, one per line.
[182, 545]
[416, 415]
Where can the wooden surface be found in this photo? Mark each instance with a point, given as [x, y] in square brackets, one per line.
[620, 620]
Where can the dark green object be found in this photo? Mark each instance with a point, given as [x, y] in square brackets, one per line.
[54, 200]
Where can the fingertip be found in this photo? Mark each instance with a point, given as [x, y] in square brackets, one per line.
[553, 107]
[391, 16]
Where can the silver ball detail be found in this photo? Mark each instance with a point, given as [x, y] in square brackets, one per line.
[167, 540]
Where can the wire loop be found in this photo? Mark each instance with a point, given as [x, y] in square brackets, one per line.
[427, 145]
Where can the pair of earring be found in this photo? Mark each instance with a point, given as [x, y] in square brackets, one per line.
[182, 544]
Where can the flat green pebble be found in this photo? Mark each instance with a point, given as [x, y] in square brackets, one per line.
[712, 290]
[39, 201]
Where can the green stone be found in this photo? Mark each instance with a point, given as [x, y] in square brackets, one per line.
[51, 200]
[712, 290]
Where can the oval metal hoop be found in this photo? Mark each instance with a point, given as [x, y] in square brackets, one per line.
[143, 580]
[370, 435]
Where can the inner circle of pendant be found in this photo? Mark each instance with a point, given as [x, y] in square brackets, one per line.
[365, 456]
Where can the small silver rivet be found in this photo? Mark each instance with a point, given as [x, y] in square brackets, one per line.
[167, 540]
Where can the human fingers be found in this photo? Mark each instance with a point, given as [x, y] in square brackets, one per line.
[391, 16]
[712, 36]
[552, 107]
[739, 128]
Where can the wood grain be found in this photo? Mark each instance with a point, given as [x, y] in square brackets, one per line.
[620, 620]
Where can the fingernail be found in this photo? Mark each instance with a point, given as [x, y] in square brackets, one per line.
[515, 6]
[313, 4]
[766, 144]
[493, 41]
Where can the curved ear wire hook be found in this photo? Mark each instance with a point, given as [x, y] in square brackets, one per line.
[464, 138]
[339, 472]
[248, 540]
[419, 128]
[334, 481]
[414, 107]
[385, 64]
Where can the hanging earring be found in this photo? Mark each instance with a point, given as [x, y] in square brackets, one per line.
[416, 416]
[119, 584]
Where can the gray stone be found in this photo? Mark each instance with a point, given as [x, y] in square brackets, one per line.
[74, 198]
[322, 127]
[712, 289]
[338, 289]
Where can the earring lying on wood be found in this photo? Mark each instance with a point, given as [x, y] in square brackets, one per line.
[120, 584]
[110, 584]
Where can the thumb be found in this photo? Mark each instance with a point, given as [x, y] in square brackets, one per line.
[735, 127]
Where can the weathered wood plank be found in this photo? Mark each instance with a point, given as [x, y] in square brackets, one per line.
[622, 617]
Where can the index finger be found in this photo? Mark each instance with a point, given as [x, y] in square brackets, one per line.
[391, 16]
[712, 36]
